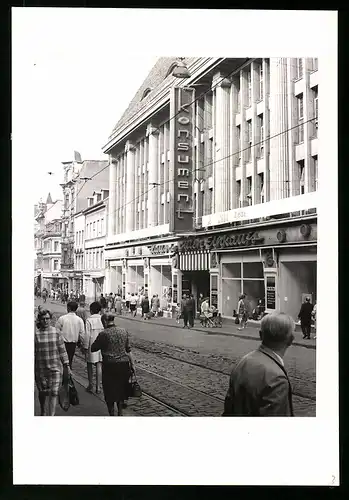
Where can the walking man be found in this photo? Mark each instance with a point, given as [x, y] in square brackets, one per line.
[103, 303]
[191, 310]
[259, 385]
[305, 317]
[72, 329]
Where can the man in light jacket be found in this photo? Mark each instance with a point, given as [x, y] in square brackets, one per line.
[259, 385]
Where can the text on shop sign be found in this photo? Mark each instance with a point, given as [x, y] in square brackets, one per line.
[216, 242]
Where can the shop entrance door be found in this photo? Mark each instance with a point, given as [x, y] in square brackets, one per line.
[196, 282]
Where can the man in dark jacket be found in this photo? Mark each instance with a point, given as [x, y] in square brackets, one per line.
[259, 385]
[305, 317]
[103, 302]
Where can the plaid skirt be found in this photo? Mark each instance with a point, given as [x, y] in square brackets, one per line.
[115, 378]
[49, 382]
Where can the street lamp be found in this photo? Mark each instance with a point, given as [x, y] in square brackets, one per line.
[181, 70]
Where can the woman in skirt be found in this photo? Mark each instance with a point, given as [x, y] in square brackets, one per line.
[113, 342]
[51, 361]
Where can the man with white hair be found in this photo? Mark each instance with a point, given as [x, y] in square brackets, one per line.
[259, 385]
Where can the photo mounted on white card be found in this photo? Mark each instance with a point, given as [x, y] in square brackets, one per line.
[179, 249]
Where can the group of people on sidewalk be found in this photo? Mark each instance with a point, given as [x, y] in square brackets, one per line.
[149, 307]
[104, 345]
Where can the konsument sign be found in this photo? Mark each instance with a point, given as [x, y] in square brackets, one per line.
[181, 171]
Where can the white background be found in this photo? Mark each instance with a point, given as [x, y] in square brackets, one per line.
[207, 451]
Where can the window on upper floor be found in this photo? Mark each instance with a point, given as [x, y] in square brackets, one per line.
[314, 61]
[249, 190]
[301, 176]
[261, 135]
[56, 246]
[315, 161]
[261, 187]
[55, 264]
[249, 87]
[299, 68]
[300, 116]
[102, 226]
[261, 82]
[238, 194]
[94, 228]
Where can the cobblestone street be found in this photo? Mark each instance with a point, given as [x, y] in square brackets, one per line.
[186, 372]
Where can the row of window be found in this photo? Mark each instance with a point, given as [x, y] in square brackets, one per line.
[95, 229]
[48, 247]
[94, 259]
[79, 238]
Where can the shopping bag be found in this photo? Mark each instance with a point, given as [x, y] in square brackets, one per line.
[134, 389]
[63, 397]
[73, 393]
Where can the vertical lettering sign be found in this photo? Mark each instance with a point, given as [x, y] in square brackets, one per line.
[181, 165]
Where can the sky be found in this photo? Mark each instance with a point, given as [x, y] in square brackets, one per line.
[74, 85]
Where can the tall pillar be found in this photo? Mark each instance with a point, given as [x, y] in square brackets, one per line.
[112, 197]
[278, 127]
[153, 178]
[130, 186]
[221, 167]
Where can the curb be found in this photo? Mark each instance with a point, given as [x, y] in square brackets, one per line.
[212, 332]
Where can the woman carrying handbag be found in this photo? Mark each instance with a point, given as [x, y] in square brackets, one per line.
[117, 363]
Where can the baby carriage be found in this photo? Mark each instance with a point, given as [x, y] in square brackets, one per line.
[212, 318]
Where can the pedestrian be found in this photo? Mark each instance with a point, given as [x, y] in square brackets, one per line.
[82, 298]
[128, 298]
[81, 312]
[93, 327]
[191, 310]
[154, 305]
[178, 313]
[305, 317]
[145, 307]
[200, 301]
[117, 363]
[118, 305]
[110, 302]
[51, 362]
[259, 385]
[206, 312]
[133, 304]
[184, 311]
[314, 318]
[103, 303]
[44, 295]
[242, 310]
[72, 330]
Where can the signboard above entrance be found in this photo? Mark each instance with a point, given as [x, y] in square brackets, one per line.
[181, 166]
[221, 241]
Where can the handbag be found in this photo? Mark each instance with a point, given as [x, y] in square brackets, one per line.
[237, 321]
[73, 393]
[63, 397]
[134, 389]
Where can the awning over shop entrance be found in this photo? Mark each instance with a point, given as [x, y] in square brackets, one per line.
[194, 261]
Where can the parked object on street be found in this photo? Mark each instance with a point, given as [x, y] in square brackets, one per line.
[259, 385]
[113, 342]
[51, 362]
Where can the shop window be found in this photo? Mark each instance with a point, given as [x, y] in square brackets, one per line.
[175, 288]
[254, 290]
[231, 289]
[214, 290]
[232, 270]
[253, 270]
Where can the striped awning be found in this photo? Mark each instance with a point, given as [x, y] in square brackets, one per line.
[194, 261]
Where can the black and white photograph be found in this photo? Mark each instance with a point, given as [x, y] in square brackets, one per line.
[173, 217]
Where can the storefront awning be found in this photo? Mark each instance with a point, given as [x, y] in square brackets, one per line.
[198, 261]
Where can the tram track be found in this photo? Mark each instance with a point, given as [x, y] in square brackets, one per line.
[219, 372]
[148, 395]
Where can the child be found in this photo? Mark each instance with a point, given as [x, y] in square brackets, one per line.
[178, 313]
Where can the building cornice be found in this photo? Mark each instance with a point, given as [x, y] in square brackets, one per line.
[160, 99]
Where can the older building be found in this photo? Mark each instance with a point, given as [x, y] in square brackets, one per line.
[96, 220]
[213, 183]
[48, 237]
[80, 179]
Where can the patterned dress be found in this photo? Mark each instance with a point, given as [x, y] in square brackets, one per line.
[50, 356]
[114, 344]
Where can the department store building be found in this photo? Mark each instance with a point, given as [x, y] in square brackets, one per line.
[213, 184]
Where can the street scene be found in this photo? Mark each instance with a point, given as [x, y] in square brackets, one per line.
[177, 275]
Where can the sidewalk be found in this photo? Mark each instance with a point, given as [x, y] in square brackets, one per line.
[228, 328]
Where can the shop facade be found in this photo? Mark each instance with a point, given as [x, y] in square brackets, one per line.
[143, 268]
[275, 263]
